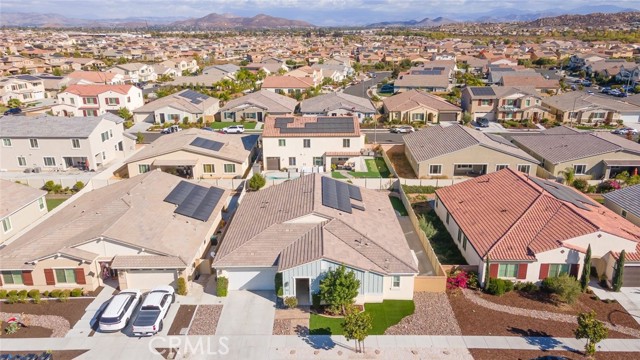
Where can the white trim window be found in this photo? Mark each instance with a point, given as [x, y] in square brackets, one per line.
[41, 204]
[33, 143]
[501, 166]
[556, 270]
[580, 169]
[65, 276]
[6, 142]
[306, 143]
[144, 168]
[6, 224]
[75, 143]
[229, 168]
[208, 168]
[282, 142]
[395, 281]
[346, 143]
[508, 271]
[49, 161]
[525, 168]
[435, 169]
[464, 167]
[22, 162]
[12, 277]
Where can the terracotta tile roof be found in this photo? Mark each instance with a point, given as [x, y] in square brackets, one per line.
[415, 98]
[270, 129]
[95, 90]
[93, 76]
[287, 82]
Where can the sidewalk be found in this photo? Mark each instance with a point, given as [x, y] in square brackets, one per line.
[83, 327]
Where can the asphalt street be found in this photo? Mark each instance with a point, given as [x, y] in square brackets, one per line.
[361, 88]
[382, 136]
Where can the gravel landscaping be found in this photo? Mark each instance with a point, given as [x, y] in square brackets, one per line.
[59, 325]
[182, 320]
[47, 319]
[433, 315]
[281, 327]
[205, 320]
[499, 354]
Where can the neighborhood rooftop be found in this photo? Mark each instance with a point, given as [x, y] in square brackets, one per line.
[14, 196]
[293, 126]
[46, 126]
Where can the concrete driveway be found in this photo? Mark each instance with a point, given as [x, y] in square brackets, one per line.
[628, 297]
[247, 313]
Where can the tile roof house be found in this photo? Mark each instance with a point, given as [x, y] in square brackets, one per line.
[26, 88]
[538, 228]
[338, 104]
[593, 155]
[95, 235]
[287, 84]
[501, 103]
[256, 106]
[195, 154]
[417, 105]
[95, 100]
[625, 202]
[20, 206]
[305, 227]
[95, 77]
[580, 107]
[459, 151]
[176, 107]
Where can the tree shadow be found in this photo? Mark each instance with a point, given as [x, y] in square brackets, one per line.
[542, 340]
[316, 341]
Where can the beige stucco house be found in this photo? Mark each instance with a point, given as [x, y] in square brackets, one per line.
[256, 106]
[503, 103]
[175, 108]
[625, 202]
[20, 206]
[419, 106]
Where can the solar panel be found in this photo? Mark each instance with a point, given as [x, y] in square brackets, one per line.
[335, 196]
[200, 203]
[179, 193]
[249, 141]
[194, 97]
[207, 144]
[354, 193]
[426, 72]
[482, 91]
[322, 125]
[564, 193]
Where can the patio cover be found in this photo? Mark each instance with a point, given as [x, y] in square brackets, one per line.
[629, 162]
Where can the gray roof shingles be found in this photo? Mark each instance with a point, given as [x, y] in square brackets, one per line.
[627, 198]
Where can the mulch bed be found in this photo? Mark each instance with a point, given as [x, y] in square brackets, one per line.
[498, 354]
[477, 320]
[27, 332]
[71, 310]
[56, 354]
[183, 319]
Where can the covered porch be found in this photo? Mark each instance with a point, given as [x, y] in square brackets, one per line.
[615, 167]
[78, 162]
[346, 160]
[182, 168]
[469, 170]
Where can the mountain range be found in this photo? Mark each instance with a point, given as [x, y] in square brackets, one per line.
[229, 21]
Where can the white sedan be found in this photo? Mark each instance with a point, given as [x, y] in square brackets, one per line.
[233, 129]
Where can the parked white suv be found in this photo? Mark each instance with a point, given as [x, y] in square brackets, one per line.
[154, 308]
[233, 129]
[120, 309]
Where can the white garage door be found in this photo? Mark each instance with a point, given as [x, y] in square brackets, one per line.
[148, 279]
[252, 278]
[630, 118]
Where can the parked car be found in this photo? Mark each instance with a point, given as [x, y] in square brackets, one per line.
[402, 129]
[605, 90]
[482, 122]
[233, 129]
[625, 131]
[116, 315]
[614, 92]
[386, 89]
[171, 129]
[13, 111]
[154, 308]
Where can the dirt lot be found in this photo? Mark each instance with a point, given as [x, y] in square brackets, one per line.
[495, 354]
[399, 161]
[182, 319]
[477, 320]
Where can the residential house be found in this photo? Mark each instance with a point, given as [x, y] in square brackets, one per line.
[20, 206]
[175, 108]
[500, 103]
[420, 106]
[538, 228]
[592, 155]
[581, 61]
[536, 80]
[580, 107]
[195, 154]
[99, 238]
[448, 151]
[26, 88]
[629, 75]
[435, 79]
[135, 72]
[338, 104]
[95, 77]
[314, 74]
[289, 85]
[624, 202]
[182, 65]
[268, 68]
[335, 72]
[309, 226]
[257, 105]
[312, 143]
[52, 143]
[608, 68]
[95, 100]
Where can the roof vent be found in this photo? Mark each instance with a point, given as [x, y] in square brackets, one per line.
[503, 210]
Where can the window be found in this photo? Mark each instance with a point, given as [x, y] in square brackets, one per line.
[508, 270]
[417, 117]
[485, 102]
[110, 133]
[65, 276]
[6, 224]
[41, 203]
[104, 136]
[282, 142]
[143, 168]
[112, 101]
[229, 115]
[292, 161]
[306, 143]
[208, 168]
[33, 143]
[459, 235]
[22, 161]
[524, 168]
[49, 161]
[435, 169]
[229, 168]
[318, 161]
[73, 101]
[624, 214]
[6, 142]
[396, 281]
[90, 100]
[90, 112]
[598, 115]
[465, 240]
[501, 166]
[464, 167]
[580, 169]
[128, 98]
[104, 155]
[528, 102]
[12, 277]
[558, 269]
[75, 143]
[250, 115]
[448, 216]
[346, 143]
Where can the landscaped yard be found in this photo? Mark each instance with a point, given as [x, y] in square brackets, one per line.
[440, 239]
[398, 205]
[383, 315]
[376, 168]
[222, 124]
[53, 203]
[337, 175]
[51, 315]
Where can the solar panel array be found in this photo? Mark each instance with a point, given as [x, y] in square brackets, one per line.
[27, 77]
[207, 144]
[337, 195]
[564, 193]
[483, 91]
[194, 97]
[194, 201]
[322, 125]
[427, 72]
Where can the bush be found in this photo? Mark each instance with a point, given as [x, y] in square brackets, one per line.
[13, 293]
[278, 280]
[527, 287]
[52, 187]
[222, 286]
[608, 186]
[427, 227]
[291, 302]
[499, 287]
[472, 280]
[182, 286]
[12, 299]
[566, 288]
[458, 279]
[33, 293]
[46, 293]
[64, 297]
[257, 182]
[76, 292]
[36, 299]
[55, 293]
[591, 189]
[78, 186]
[416, 189]
[316, 300]
[3, 294]
[581, 184]
[23, 293]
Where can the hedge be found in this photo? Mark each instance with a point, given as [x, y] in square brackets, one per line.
[222, 286]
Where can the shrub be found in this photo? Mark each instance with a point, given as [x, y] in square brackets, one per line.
[508, 285]
[13, 293]
[3, 294]
[222, 286]
[52, 187]
[291, 302]
[591, 189]
[316, 300]
[527, 287]
[55, 293]
[66, 292]
[565, 287]
[12, 299]
[278, 281]
[457, 280]
[472, 280]
[256, 182]
[46, 293]
[23, 294]
[76, 292]
[499, 287]
[33, 293]
[36, 299]
[182, 286]
[78, 186]
[608, 186]
[581, 184]
[12, 328]
[64, 297]
[416, 189]
[427, 227]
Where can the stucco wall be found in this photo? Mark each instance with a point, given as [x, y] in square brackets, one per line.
[23, 218]
[198, 169]
[618, 210]
[304, 156]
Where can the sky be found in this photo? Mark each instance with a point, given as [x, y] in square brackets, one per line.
[319, 12]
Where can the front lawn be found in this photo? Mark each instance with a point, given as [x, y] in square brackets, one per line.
[218, 125]
[376, 168]
[398, 206]
[383, 316]
[53, 203]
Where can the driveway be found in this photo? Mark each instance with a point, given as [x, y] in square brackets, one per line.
[628, 297]
[424, 265]
[247, 313]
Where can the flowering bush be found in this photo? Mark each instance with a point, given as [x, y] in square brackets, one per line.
[458, 280]
[608, 185]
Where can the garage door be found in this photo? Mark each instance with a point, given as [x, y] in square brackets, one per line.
[252, 278]
[631, 276]
[630, 118]
[148, 279]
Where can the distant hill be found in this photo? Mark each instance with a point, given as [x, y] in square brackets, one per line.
[230, 21]
[426, 22]
[594, 20]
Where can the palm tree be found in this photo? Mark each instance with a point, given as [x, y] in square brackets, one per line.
[569, 175]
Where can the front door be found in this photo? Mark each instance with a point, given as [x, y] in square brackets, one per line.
[259, 116]
[162, 119]
[302, 292]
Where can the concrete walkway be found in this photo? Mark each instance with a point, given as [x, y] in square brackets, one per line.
[83, 327]
[424, 265]
[629, 298]
[247, 313]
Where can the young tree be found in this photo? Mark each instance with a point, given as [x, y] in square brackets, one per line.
[569, 175]
[356, 326]
[339, 288]
[487, 274]
[586, 270]
[139, 137]
[591, 329]
[618, 271]
[124, 113]
[257, 182]
[14, 103]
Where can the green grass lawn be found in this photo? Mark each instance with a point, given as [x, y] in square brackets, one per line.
[383, 316]
[398, 205]
[53, 203]
[376, 168]
[337, 175]
[219, 125]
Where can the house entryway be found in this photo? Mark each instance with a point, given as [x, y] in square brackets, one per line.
[302, 292]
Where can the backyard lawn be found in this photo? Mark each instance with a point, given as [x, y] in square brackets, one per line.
[383, 316]
[220, 124]
[337, 175]
[53, 203]
[398, 206]
[376, 168]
